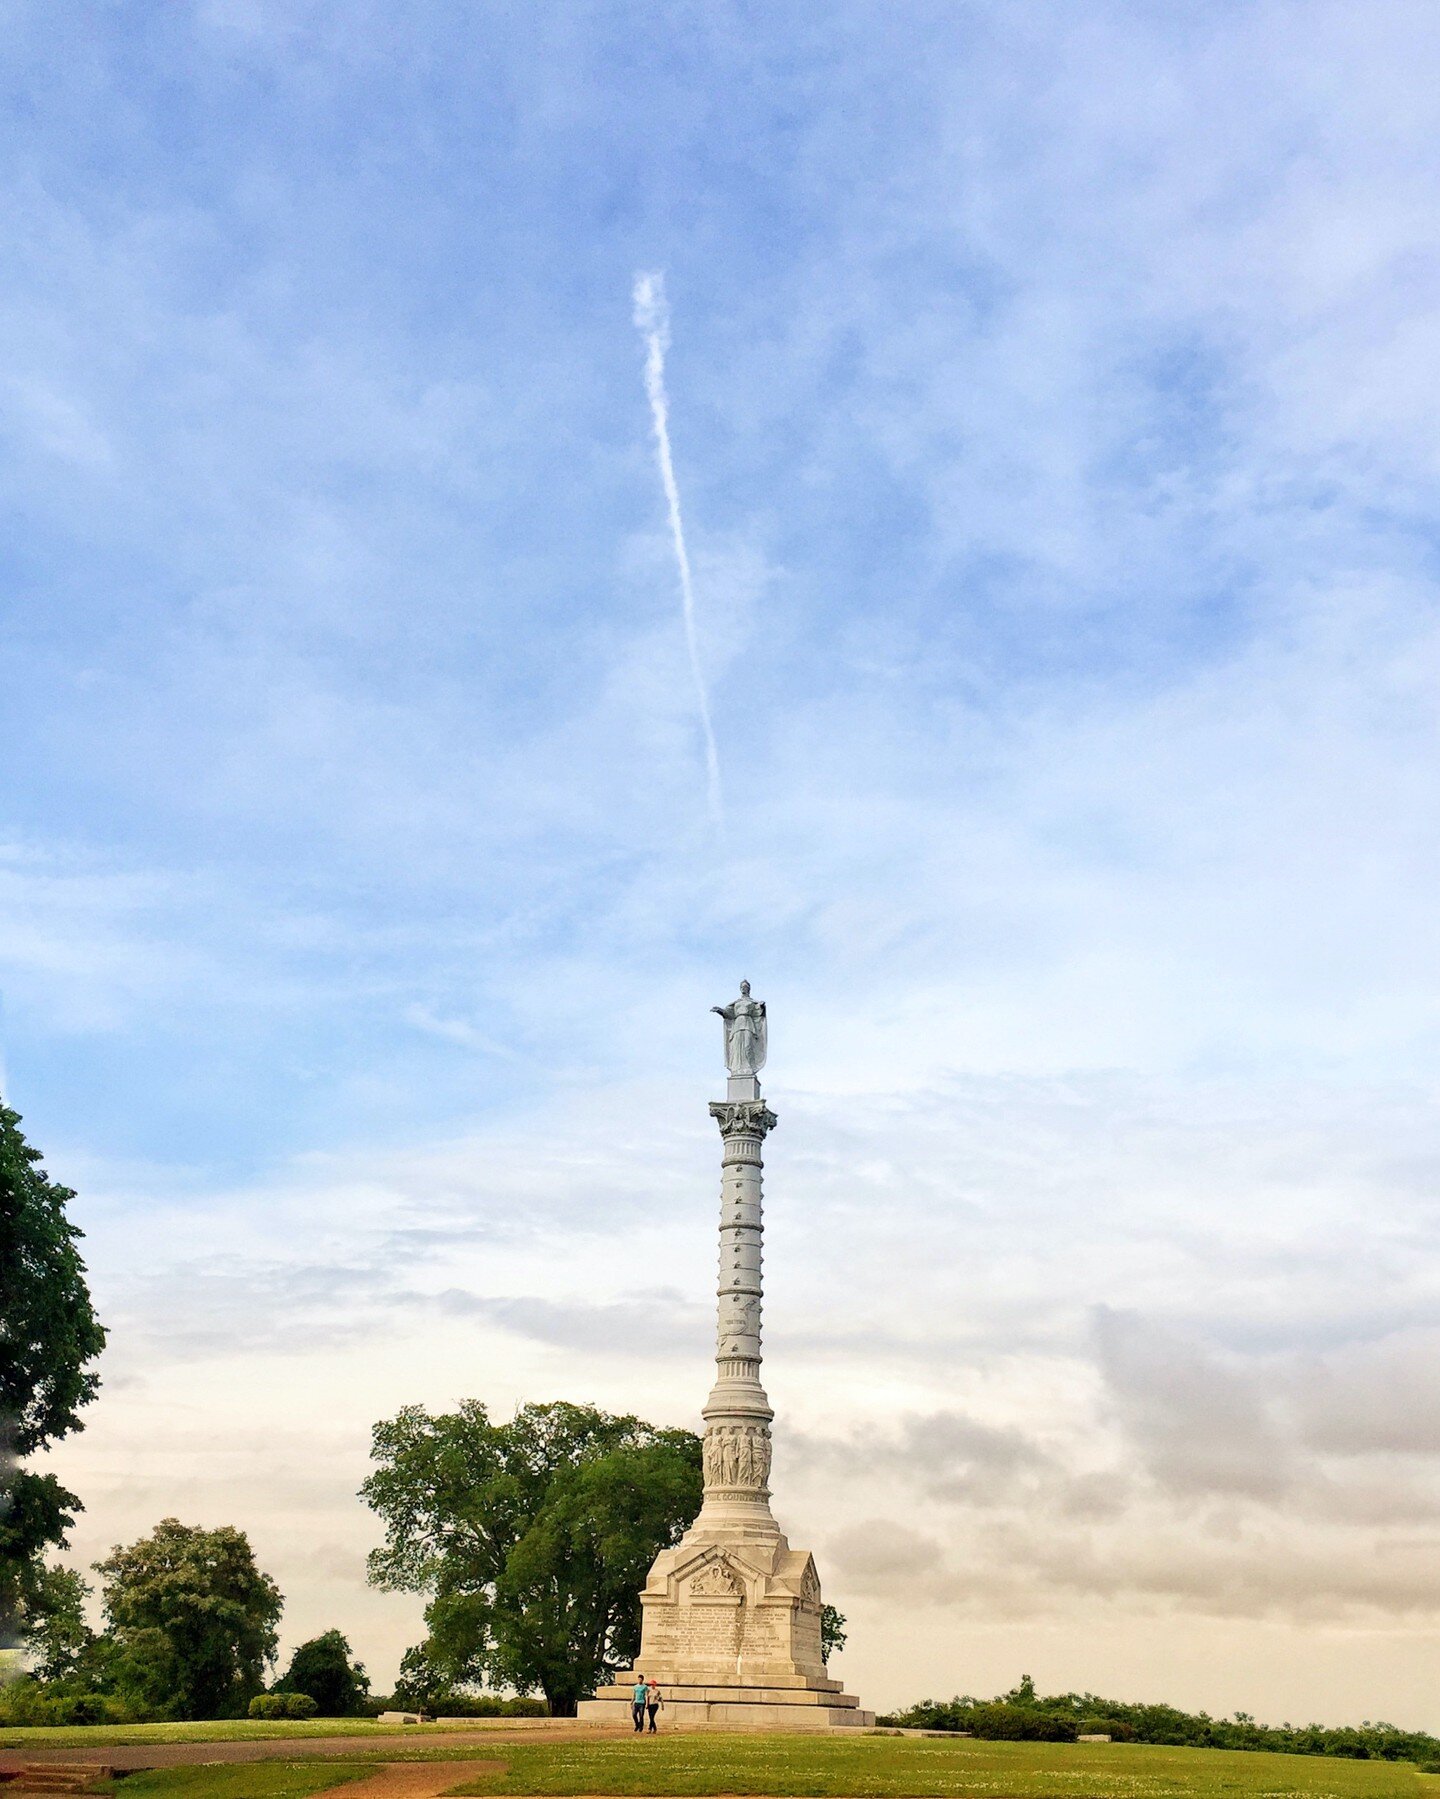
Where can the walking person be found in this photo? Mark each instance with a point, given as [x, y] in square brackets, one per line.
[637, 1702]
[654, 1699]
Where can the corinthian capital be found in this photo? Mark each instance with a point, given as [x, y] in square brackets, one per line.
[743, 1117]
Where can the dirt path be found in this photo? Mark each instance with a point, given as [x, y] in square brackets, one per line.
[415, 1780]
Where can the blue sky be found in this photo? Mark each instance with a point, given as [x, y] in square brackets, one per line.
[1053, 394]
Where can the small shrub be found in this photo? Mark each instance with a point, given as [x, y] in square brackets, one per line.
[283, 1705]
[1019, 1724]
[1113, 1728]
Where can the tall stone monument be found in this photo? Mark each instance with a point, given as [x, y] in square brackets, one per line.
[731, 1615]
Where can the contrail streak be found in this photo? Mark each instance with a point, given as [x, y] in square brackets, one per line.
[652, 320]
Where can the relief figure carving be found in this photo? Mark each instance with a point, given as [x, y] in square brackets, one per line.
[716, 1581]
[737, 1455]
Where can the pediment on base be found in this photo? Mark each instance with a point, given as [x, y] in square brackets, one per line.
[757, 1570]
[708, 1568]
[798, 1575]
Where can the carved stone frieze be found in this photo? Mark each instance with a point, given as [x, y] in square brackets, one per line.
[737, 1456]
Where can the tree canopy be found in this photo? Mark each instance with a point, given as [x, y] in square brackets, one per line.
[58, 1638]
[323, 1669]
[532, 1537]
[193, 1620]
[48, 1336]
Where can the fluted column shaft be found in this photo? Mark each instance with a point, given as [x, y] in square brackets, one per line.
[737, 1413]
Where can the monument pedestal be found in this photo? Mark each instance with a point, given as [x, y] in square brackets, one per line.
[731, 1615]
[731, 1632]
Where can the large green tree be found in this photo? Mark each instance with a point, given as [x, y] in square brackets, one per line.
[323, 1669]
[532, 1537]
[58, 1641]
[48, 1337]
[193, 1620]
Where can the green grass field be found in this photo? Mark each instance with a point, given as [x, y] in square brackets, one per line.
[828, 1767]
[846, 1768]
[925, 1766]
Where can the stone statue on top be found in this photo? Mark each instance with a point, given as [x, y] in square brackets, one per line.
[745, 1033]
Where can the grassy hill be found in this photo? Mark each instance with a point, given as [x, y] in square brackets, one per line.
[883, 1766]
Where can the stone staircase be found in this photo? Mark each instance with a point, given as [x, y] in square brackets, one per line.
[790, 1703]
[54, 1777]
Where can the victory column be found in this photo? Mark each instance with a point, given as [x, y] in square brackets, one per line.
[731, 1614]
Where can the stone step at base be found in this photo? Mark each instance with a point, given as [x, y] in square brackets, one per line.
[741, 1708]
[91, 1770]
[47, 1783]
[57, 1777]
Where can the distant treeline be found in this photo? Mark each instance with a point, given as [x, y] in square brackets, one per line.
[1025, 1715]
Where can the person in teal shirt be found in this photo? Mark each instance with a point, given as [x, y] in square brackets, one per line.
[637, 1701]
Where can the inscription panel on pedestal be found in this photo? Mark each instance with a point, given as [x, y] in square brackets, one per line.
[711, 1633]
